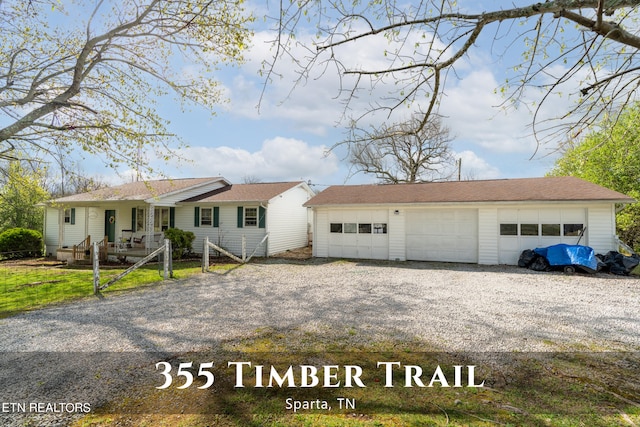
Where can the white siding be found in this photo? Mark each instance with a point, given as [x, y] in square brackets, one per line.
[397, 238]
[227, 235]
[488, 236]
[73, 234]
[321, 233]
[52, 230]
[95, 226]
[184, 221]
[287, 221]
[231, 236]
[601, 228]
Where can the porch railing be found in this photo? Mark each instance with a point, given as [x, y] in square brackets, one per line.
[82, 249]
[103, 247]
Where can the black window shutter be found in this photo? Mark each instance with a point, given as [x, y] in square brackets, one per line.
[134, 211]
[216, 216]
[172, 217]
[73, 216]
[240, 216]
[196, 217]
[262, 217]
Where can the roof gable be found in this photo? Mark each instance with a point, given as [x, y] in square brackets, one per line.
[259, 192]
[506, 190]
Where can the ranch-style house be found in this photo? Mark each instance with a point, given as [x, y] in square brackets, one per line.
[131, 218]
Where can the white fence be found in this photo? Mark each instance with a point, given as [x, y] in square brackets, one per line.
[164, 250]
[242, 260]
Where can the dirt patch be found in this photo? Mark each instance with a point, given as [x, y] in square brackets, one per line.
[297, 254]
[32, 262]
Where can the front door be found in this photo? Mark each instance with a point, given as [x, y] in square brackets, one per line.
[110, 224]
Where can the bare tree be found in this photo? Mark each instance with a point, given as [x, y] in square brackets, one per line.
[405, 152]
[592, 44]
[88, 77]
[251, 179]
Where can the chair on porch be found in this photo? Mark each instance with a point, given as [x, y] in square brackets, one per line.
[156, 242]
[138, 242]
[126, 240]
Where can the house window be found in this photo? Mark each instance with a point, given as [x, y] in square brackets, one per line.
[161, 219]
[336, 227]
[206, 217]
[350, 227]
[573, 229]
[140, 217]
[250, 217]
[528, 229]
[379, 228]
[550, 229]
[364, 228]
[70, 216]
[508, 229]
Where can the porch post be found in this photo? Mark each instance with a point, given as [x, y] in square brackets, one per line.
[150, 225]
[60, 227]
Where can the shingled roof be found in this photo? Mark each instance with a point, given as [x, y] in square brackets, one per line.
[260, 192]
[545, 189]
[139, 190]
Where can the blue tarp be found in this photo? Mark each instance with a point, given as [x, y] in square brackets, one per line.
[569, 255]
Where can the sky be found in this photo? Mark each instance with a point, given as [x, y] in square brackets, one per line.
[291, 135]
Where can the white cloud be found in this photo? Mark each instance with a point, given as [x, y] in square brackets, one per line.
[475, 167]
[472, 113]
[279, 159]
[315, 102]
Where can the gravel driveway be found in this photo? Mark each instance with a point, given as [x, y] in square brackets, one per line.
[452, 306]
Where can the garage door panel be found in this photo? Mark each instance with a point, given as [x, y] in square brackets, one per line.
[442, 235]
[510, 247]
[357, 242]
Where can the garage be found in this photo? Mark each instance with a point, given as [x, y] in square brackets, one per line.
[485, 222]
[449, 235]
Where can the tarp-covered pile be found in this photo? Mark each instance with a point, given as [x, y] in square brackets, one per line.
[617, 263]
[582, 257]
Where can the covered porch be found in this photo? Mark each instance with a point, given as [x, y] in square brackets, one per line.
[119, 227]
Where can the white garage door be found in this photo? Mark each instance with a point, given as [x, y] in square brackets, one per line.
[359, 234]
[449, 235]
[522, 229]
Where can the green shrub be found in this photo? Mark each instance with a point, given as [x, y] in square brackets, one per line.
[181, 241]
[20, 243]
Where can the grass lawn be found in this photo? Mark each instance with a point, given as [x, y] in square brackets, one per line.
[597, 389]
[561, 389]
[33, 285]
